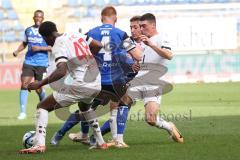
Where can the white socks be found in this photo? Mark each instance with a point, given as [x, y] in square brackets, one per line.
[41, 125]
[113, 123]
[161, 123]
[97, 131]
[120, 138]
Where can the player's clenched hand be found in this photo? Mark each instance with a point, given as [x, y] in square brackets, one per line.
[15, 54]
[34, 86]
[136, 67]
[145, 40]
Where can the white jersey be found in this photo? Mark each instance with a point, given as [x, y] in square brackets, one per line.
[146, 92]
[149, 55]
[73, 48]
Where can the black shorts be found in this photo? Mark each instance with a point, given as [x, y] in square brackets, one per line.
[109, 92]
[33, 71]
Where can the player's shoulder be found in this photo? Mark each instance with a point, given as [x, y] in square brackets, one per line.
[159, 38]
[94, 30]
[28, 28]
[119, 31]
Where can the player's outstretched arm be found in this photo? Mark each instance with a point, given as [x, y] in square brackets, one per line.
[41, 48]
[56, 75]
[20, 48]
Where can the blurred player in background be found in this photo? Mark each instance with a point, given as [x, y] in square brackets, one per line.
[70, 49]
[111, 62]
[36, 60]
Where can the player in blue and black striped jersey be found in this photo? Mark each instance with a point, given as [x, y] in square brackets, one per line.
[36, 60]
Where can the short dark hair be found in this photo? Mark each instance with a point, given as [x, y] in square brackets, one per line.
[135, 18]
[47, 28]
[148, 17]
[40, 11]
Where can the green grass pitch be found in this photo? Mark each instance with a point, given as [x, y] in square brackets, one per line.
[208, 115]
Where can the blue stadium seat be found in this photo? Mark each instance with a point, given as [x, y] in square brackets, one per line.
[20, 36]
[6, 4]
[4, 26]
[184, 1]
[9, 36]
[160, 2]
[146, 2]
[129, 2]
[72, 3]
[194, 1]
[100, 3]
[90, 12]
[12, 15]
[114, 2]
[77, 14]
[18, 27]
[1, 15]
[221, 1]
[86, 3]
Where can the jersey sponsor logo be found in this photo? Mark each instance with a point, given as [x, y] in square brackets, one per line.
[35, 40]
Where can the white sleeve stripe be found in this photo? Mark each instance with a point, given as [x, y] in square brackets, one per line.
[61, 57]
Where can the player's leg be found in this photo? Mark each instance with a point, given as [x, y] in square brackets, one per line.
[122, 116]
[91, 118]
[47, 105]
[38, 75]
[68, 124]
[26, 78]
[153, 119]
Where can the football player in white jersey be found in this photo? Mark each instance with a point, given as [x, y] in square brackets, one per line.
[155, 51]
[73, 55]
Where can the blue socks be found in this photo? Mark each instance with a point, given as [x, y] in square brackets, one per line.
[23, 100]
[105, 128]
[84, 127]
[71, 122]
[122, 116]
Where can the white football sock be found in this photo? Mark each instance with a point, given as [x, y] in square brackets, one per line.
[113, 123]
[41, 125]
[120, 138]
[161, 123]
[97, 131]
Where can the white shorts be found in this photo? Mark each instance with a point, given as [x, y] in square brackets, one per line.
[79, 91]
[145, 93]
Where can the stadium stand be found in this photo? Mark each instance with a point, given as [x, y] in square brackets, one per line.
[16, 15]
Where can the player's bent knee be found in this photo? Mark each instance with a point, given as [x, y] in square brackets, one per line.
[151, 123]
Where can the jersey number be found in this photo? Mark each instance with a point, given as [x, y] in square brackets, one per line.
[106, 51]
[81, 48]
